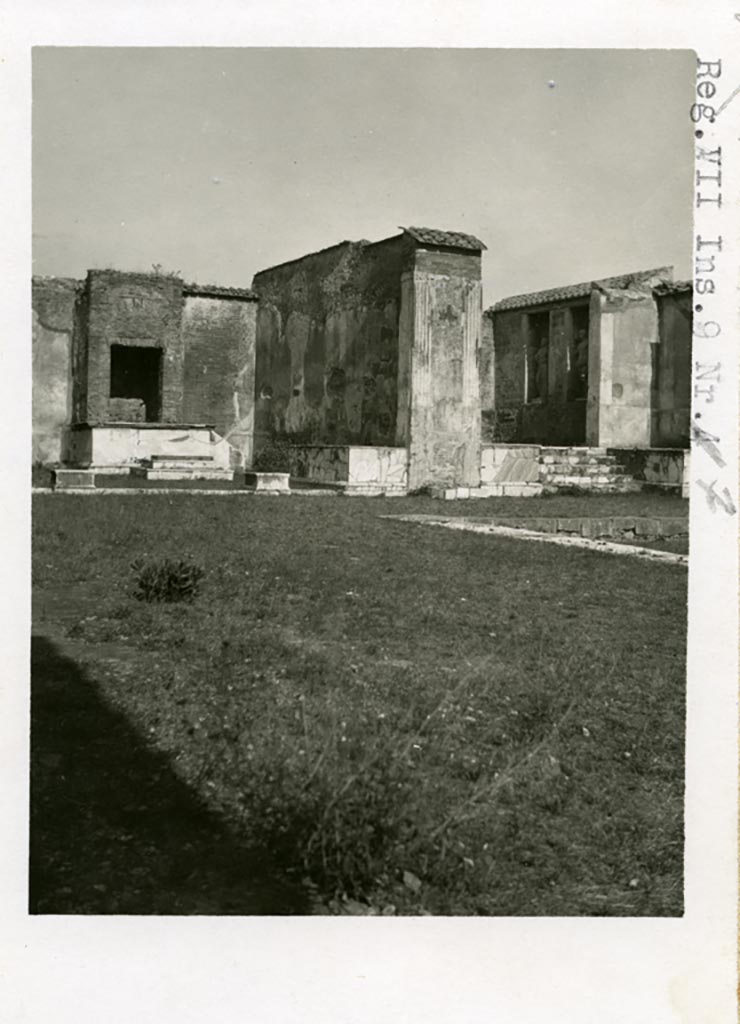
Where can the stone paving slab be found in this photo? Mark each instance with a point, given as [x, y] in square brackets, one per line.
[565, 540]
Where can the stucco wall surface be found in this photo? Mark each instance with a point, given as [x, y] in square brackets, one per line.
[219, 337]
[327, 345]
[628, 330]
[444, 401]
[672, 372]
[53, 322]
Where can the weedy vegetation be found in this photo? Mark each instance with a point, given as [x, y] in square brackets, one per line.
[377, 717]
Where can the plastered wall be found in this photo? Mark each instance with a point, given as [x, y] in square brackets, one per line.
[53, 324]
[327, 345]
[218, 380]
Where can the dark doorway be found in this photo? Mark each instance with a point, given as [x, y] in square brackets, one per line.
[136, 372]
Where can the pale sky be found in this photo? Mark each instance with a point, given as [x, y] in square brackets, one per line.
[568, 164]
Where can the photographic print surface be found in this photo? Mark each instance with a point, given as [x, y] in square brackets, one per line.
[274, 290]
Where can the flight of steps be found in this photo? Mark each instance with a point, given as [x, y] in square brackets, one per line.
[586, 469]
[182, 467]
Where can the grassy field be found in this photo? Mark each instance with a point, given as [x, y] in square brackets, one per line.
[354, 715]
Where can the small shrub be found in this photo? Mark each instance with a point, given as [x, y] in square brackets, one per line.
[165, 579]
[274, 457]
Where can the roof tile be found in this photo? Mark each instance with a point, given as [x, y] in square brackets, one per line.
[218, 291]
[454, 239]
[575, 291]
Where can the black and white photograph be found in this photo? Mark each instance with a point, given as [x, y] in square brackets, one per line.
[360, 531]
[370, 513]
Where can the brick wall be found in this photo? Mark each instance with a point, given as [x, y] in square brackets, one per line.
[132, 309]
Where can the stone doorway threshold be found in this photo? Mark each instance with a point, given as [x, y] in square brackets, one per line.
[564, 540]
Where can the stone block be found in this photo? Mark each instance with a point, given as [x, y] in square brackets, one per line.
[521, 490]
[127, 410]
[378, 466]
[74, 479]
[686, 475]
[185, 473]
[273, 483]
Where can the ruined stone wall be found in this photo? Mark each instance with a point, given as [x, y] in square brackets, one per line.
[327, 346]
[219, 336]
[444, 409]
[53, 324]
[671, 393]
[132, 309]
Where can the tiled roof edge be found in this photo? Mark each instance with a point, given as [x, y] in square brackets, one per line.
[453, 239]
[574, 291]
[217, 291]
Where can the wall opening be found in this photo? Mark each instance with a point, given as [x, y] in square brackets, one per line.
[538, 356]
[136, 372]
[578, 361]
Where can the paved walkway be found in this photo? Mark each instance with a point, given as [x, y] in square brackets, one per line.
[604, 546]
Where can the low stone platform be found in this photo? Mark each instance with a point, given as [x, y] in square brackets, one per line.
[121, 447]
[73, 479]
[364, 470]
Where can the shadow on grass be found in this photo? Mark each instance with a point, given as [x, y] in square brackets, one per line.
[113, 830]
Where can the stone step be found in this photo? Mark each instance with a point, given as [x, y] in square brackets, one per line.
[566, 467]
[548, 471]
[178, 460]
[181, 472]
[595, 460]
[571, 450]
[575, 478]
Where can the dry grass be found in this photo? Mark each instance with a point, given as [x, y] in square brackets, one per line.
[379, 718]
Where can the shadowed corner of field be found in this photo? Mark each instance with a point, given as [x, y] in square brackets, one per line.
[113, 830]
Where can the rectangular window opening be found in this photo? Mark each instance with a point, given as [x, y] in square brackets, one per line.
[136, 373]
